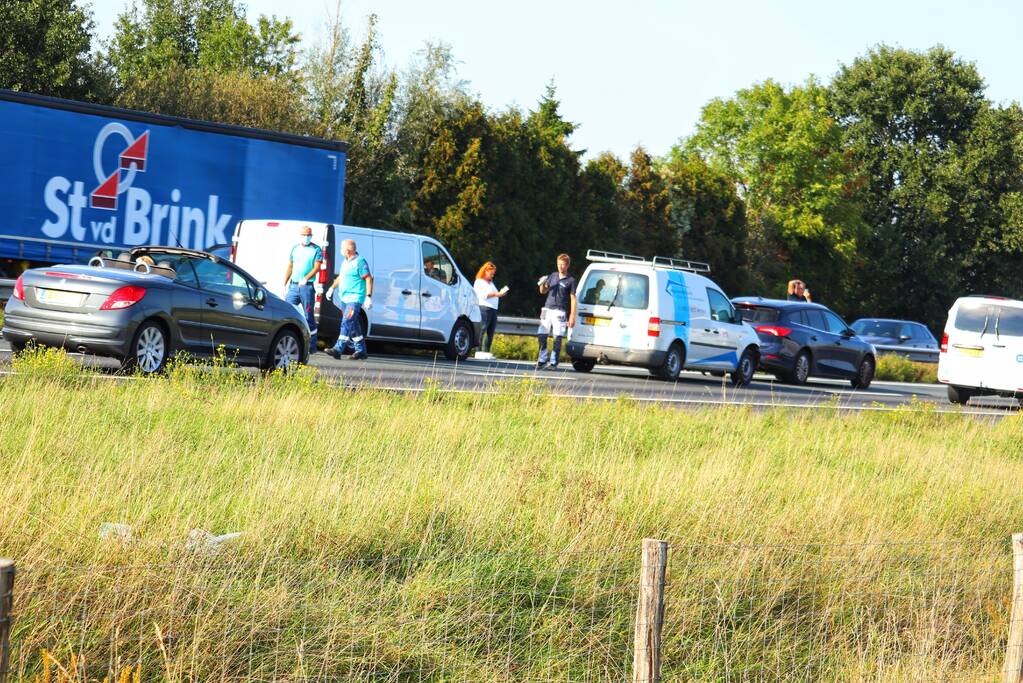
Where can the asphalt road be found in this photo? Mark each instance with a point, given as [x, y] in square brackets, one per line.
[395, 370]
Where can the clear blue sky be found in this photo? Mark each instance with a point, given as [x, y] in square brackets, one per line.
[639, 72]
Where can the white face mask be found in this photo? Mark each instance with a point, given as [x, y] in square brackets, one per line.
[307, 239]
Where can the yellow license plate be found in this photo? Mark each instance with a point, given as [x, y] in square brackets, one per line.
[972, 353]
[60, 297]
[596, 321]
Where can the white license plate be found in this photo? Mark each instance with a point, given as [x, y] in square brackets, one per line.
[59, 297]
[972, 353]
[590, 320]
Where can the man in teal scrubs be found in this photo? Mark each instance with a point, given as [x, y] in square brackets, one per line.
[355, 286]
[303, 265]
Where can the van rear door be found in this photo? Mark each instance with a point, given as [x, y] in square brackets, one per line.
[262, 249]
[614, 309]
[1004, 362]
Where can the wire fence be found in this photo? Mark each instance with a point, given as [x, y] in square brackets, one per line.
[733, 613]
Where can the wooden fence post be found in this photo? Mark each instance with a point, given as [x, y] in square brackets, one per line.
[6, 607]
[646, 661]
[1014, 648]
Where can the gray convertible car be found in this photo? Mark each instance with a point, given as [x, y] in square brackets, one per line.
[143, 310]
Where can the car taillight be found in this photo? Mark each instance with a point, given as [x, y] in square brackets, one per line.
[944, 343]
[123, 297]
[19, 289]
[653, 327]
[323, 271]
[776, 330]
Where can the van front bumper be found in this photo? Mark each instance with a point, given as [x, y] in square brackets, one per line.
[615, 355]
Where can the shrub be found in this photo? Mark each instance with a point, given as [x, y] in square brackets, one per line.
[513, 347]
[893, 368]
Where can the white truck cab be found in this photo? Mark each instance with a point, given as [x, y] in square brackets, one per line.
[981, 350]
[662, 314]
[420, 297]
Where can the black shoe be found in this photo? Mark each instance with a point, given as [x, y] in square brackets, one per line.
[540, 365]
[333, 353]
[358, 355]
[552, 366]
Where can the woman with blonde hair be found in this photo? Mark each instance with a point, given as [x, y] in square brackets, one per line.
[798, 291]
[487, 295]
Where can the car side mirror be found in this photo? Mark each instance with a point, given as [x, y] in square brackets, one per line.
[259, 298]
[848, 334]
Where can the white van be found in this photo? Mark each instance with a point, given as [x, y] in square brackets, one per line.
[981, 350]
[660, 314]
[419, 295]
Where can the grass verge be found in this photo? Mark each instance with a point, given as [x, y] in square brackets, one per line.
[493, 538]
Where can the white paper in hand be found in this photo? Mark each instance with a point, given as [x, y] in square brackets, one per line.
[504, 289]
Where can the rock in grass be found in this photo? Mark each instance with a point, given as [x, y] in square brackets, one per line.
[202, 541]
[116, 531]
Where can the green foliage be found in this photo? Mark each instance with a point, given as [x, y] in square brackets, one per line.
[785, 151]
[895, 368]
[44, 48]
[943, 177]
[514, 347]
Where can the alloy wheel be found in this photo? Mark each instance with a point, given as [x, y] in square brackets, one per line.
[286, 353]
[150, 349]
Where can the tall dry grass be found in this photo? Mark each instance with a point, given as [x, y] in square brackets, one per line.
[494, 538]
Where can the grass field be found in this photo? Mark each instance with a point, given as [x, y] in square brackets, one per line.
[443, 537]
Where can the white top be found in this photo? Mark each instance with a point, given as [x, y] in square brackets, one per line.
[483, 288]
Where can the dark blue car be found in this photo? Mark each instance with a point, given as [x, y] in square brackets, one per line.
[799, 340]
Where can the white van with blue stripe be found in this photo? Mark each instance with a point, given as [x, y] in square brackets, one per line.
[662, 314]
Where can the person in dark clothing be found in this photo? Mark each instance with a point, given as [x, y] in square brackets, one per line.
[798, 291]
[558, 314]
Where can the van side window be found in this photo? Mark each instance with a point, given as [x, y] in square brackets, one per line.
[437, 265]
[720, 307]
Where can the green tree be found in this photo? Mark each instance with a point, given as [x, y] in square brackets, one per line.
[648, 229]
[943, 176]
[800, 191]
[710, 218]
[45, 48]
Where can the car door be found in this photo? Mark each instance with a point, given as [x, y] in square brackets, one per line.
[717, 336]
[437, 293]
[396, 287]
[230, 318]
[185, 302]
[818, 340]
[845, 349]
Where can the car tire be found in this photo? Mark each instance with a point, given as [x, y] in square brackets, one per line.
[800, 368]
[149, 350]
[584, 365]
[959, 395]
[743, 373]
[674, 360]
[17, 346]
[285, 352]
[864, 375]
[459, 344]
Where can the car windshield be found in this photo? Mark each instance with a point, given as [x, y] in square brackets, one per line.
[876, 328]
[757, 314]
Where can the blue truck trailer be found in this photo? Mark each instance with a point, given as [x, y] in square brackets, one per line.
[79, 178]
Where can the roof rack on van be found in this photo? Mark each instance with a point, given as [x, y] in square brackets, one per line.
[599, 256]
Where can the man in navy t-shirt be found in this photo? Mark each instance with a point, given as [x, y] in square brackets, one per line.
[558, 312]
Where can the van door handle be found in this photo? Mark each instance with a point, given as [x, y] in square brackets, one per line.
[211, 302]
[406, 292]
[998, 346]
[427, 295]
[706, 329]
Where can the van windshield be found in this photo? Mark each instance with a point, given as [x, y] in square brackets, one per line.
[610, 288]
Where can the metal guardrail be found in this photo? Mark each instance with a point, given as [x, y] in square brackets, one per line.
[522, 327]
